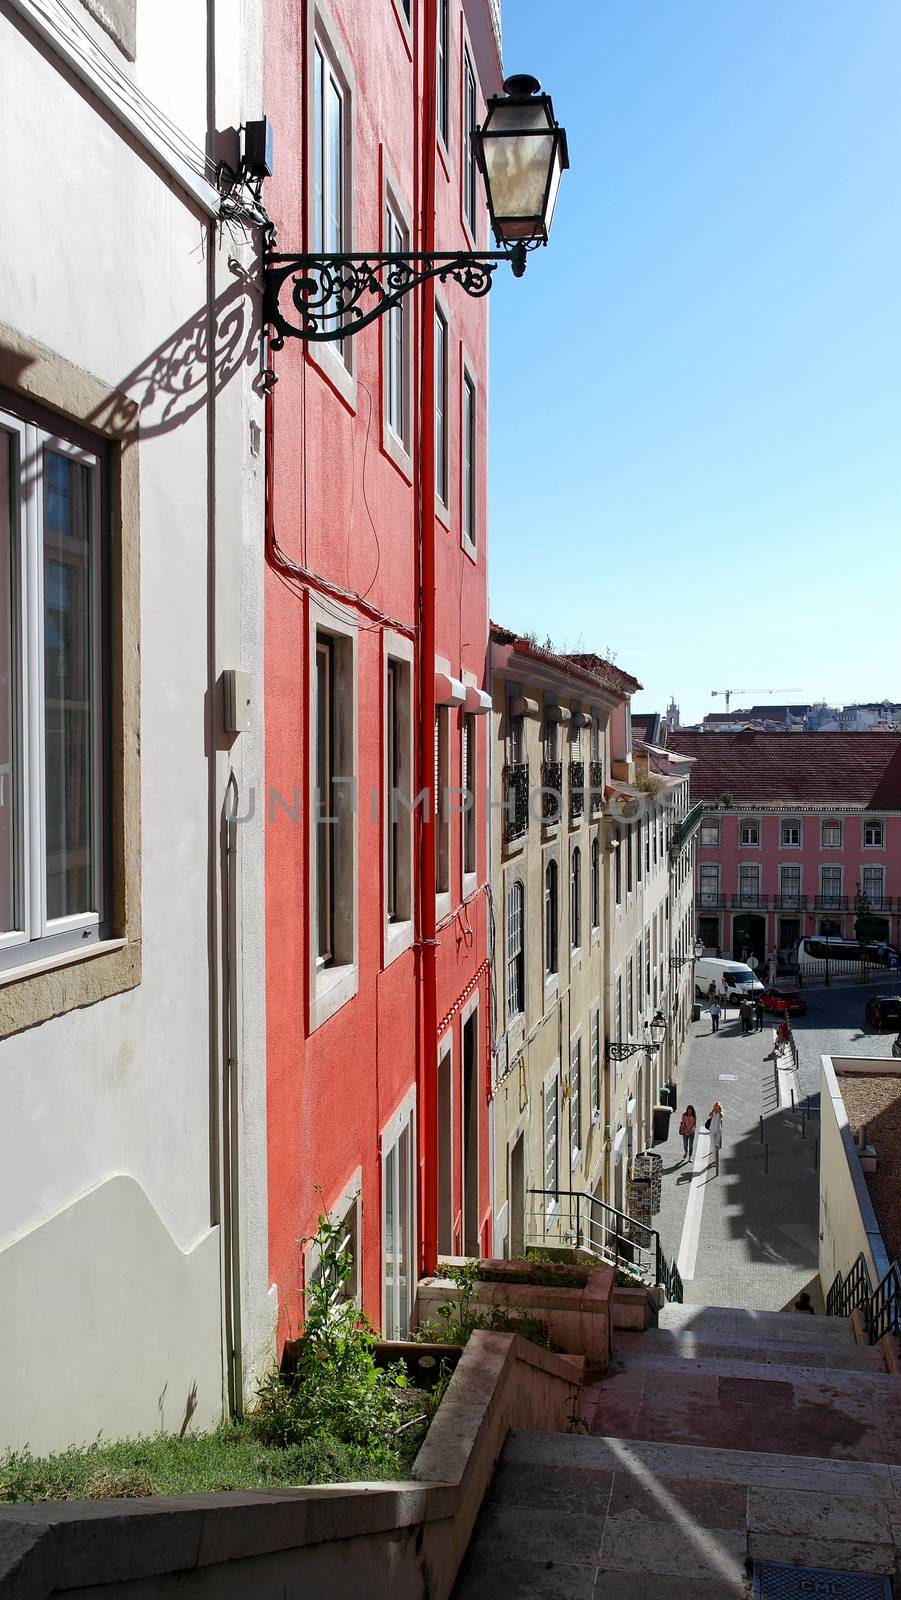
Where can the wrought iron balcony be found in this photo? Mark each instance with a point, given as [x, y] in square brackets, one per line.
[596, 780]
[879, 902]
[516, 791]
[710, 899]
[749, 900]
[552, 784]
[683, 830]
[790, 902]
[832, 902]
[576, 788]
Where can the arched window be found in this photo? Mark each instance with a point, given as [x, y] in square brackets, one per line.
[516, 967]
[595, 883]
[550, 918]
[575, 898]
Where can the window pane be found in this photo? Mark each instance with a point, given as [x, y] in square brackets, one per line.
[69, 711]
[333, 226]
[10, 765]
[389, 1244]
[318, 166]
[469, 445]
[324, 889]
[440, 408]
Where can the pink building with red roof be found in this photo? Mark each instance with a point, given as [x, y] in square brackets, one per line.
[795, 825]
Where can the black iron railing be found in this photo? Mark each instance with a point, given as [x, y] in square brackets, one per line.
[516, 788]
[576, 788]
[789, 902]
[831, 902]
[879, 1307]
[552, 784]
[596, 780]
[578, 1220]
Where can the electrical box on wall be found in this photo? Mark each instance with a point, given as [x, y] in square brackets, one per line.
[236, 701]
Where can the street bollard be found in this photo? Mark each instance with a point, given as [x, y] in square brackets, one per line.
[761, 1130]
[816, 1153]
[766, 1158]
[793, 1100]
[803, 1126]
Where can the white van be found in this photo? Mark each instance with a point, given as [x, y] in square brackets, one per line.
[734, 978]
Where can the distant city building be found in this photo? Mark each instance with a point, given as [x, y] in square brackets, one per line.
[792, 829]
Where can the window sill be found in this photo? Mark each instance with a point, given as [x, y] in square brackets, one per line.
[68, 958]
[341, 379]
[442, 904]
[469, 547]
[595, 938]
[551, 988]
[442, 512]
[333, 987]
[397, 452]
[470, 884]
[398, 938]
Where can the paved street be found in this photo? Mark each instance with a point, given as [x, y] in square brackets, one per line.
[749, 1237]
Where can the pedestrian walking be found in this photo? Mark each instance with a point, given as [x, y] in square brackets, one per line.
[783, 1034]
[714, 1126]
[744, 1012]
[711, 990]
[687, 1129]
[715, 1014]
[771, 969]
[758, 1016]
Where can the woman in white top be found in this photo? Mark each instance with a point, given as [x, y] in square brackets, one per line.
[715, 1129]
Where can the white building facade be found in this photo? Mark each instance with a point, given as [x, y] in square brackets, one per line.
[133, 1243]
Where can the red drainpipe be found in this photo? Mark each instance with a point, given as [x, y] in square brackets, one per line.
[427, 1087]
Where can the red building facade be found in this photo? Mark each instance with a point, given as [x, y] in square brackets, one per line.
[376, 635]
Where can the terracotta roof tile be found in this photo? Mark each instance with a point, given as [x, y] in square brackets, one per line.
[816, 769]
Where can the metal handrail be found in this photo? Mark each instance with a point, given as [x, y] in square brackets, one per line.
[611, 1235]
[881, 1307]
[884, 1311]
[847, 1293]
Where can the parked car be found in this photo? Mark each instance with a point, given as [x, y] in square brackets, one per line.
[882, 1010]
[783, 1001]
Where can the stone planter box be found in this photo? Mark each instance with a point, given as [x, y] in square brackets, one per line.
[578, 1318]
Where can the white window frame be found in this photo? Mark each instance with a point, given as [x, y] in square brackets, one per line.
[594, 1066]
[873, 894]
[469, 495]
[550, 1150]
[575, 1100]
[712, 870]
[595, 887]
[336, 360]
[469, 172]
[784, 894]
[443, 406]
[348, 1207]
[749, 824]
[785, 824]
[469, 814]
[515, 954]
[443, 74]
[832, 822]
[551, 973]
[394, 1325]
[40, 938]
[870, 824]
[827, 894]
[334, 982]
[442, 810]
[397, 323]
[750, 869]
[575, 902]
[710, 825]
[398, 925]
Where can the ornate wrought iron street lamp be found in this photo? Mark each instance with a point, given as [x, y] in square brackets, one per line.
[621, 1050]
[521, 153]
[695, 954]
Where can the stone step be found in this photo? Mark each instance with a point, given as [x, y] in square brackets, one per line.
[641, 1368]
[694, 1345]
[569, 1517]
[780, 1325]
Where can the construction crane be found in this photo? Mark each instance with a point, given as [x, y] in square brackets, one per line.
[728, 693]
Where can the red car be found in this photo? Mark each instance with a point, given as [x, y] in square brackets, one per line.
[783, 1001]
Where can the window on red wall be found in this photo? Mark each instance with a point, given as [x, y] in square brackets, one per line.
[470, 171]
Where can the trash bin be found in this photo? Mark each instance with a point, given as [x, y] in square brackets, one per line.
[661, 1116]
[672, 1094]
[696, 1011]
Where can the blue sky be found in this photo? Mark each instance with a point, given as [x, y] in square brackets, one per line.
[696, 389]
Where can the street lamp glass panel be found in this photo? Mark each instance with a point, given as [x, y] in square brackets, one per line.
[658, 1028]
[522, 154]
[699, 949]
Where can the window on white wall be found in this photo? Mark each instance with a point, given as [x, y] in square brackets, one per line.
[595, 1048]
[551, 1134]
[575, 1099]
[53, 832]
[595, 883]
[575, 899]
[551, 914]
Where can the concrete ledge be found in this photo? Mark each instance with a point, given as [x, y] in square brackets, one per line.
[403, 1540]
[633, 1308]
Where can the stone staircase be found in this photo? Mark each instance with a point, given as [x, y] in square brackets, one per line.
[717, 1439]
